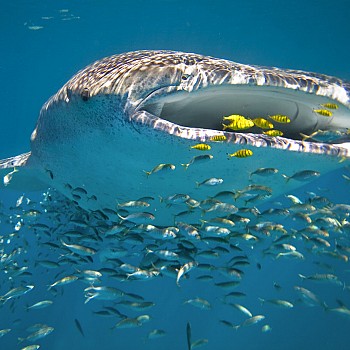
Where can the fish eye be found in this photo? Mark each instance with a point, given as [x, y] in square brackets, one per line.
[185, 76]
[85, 94]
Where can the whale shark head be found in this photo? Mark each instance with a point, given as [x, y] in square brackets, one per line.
[197, 91]
[122, 116]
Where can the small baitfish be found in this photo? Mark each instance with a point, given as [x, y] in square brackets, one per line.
[273, 133]
[40, 305]
[185, 269]
[203, 158]
[240, 124]
[79, 249]
[330, 105]
[304, 175]
[283, 119]
[16, 292]
[242, 153]
[213, 181]
[323, 112]
[201, 147]
[218, 138]
[264, 172]
[199, 303]
[262, 123]
[160, 167]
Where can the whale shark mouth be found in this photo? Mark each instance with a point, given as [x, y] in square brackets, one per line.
[205, 109]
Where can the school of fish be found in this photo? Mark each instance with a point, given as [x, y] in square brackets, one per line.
[209, 242]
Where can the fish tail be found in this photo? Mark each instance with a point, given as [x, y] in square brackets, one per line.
[21, 340]
[148, 251]
[197, 184]
[325, 306]
[262, 301]
[186, 165]
[302, 276]
[237, 195]
[202, 222]
[224, 126]
[148, 173]
[88, 299]
[286, 177]
[63, 242]
[304, 137]
[120, 217]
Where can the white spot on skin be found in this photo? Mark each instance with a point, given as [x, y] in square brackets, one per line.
[33, 136]
[107, 84]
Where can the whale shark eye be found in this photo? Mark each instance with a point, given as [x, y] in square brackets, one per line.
[85, 94]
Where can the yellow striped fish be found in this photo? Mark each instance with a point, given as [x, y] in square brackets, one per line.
[262, 123]
[234, 117]
[201, 147]
[273, 133]
[242, 153]
[330, 105]
[324, 112]
[218, 138]
[241, 124]
[280, 118]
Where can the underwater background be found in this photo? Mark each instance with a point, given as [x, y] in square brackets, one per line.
[43, 43]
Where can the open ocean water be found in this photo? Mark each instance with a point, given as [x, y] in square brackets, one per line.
[43, 43]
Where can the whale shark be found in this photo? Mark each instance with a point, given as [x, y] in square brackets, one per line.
[114, 129]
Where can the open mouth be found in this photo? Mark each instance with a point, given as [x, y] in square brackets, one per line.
[310, 116]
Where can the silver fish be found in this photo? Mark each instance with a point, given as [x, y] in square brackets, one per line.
[185, 269]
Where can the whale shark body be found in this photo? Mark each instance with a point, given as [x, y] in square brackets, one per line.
[124, 115]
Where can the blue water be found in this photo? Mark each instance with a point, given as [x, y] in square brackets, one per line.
[34, 64]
